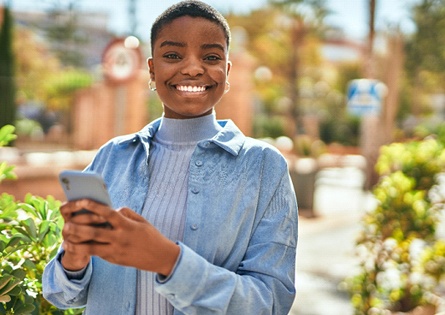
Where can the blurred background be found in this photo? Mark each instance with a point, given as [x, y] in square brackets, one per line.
[328, 82]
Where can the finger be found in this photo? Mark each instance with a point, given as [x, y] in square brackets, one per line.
[63, 211]
[87, 218]
[85, 248]
[104, 251]
[73, 234]
[76, 211]
[105, 213]
[76, 234]
[93, 207]
[128, 213]
[68, 208]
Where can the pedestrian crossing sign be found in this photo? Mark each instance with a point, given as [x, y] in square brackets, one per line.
[365, 96]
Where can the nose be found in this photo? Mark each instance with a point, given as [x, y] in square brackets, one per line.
[192, 67]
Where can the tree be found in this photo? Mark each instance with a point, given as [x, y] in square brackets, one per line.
[42, 82]
[369, 64]
[278, 80]
[305, 17]
[7, 80]
[35, 65]
[424, 50]
[65, 35]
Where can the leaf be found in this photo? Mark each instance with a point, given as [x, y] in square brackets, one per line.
[44, 227]
[23, 233]
[19, 274]
[7, 171]
[24, 309]
[53, 252]
[7, 207]
[7, 135]
[29, 208]
[30, 227]
[4, 280]
[28, 264]
[15, 239]
[11, 285]
[7, 269]
[6, 130]
[15, 291]
[5, 298]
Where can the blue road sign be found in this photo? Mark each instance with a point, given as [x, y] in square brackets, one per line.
[365, 96]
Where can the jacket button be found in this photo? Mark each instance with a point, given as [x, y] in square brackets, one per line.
[194, 227]
[198, 163]
[195, 190]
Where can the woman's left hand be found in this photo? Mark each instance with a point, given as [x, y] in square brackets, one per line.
[132, 240]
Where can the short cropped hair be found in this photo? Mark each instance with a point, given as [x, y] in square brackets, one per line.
[191, 8]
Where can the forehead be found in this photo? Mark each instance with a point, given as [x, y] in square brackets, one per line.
[187, 28]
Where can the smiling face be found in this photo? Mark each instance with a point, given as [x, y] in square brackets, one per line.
[190, 66]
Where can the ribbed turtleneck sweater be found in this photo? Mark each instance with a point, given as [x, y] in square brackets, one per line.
[165, 206]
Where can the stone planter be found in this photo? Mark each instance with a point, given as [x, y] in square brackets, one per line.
[303, 175]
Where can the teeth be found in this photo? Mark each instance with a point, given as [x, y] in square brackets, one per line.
[191, 88]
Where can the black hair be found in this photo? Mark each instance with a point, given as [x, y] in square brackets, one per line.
[191, 8]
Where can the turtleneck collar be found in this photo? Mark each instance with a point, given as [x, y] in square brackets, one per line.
[188, 130]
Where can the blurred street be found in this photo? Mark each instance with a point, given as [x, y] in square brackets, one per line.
[326, 242]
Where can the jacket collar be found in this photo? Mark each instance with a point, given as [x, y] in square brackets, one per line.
[230, 138]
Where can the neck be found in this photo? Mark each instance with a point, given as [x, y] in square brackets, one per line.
[188, 130]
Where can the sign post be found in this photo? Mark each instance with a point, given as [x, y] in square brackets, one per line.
[365, 100]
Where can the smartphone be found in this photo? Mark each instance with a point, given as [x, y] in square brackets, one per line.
[84, 185]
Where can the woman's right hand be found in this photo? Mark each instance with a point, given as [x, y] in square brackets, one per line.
[129, 240]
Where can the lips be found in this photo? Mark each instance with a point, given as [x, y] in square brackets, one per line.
[190, 89]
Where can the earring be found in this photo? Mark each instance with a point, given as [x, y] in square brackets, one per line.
[152, 85]
[227, 89]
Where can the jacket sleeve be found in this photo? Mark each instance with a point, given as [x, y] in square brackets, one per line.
[264, 281]
[61, 291]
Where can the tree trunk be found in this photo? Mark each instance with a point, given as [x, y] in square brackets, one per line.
[7, 82]
[395, 62]
[294, 119]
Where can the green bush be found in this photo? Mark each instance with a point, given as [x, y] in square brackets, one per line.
[30, 234]
[342, 129]
[398, 249]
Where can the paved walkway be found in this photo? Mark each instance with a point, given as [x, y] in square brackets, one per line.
[326, 243]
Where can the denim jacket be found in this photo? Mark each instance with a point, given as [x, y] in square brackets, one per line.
[239, 247]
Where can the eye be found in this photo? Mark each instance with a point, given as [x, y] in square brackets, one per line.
[171, 56]
[212, 58]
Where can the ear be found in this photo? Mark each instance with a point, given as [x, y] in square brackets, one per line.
[151, 68]
[229, 66]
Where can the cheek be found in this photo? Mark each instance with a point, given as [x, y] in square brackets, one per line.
[162, 73]
[220, 75]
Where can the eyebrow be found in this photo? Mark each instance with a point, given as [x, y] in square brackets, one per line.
[210, 46]
[182, 44]
[172, 43]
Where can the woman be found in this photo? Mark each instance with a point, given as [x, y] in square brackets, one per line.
[207, 222]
